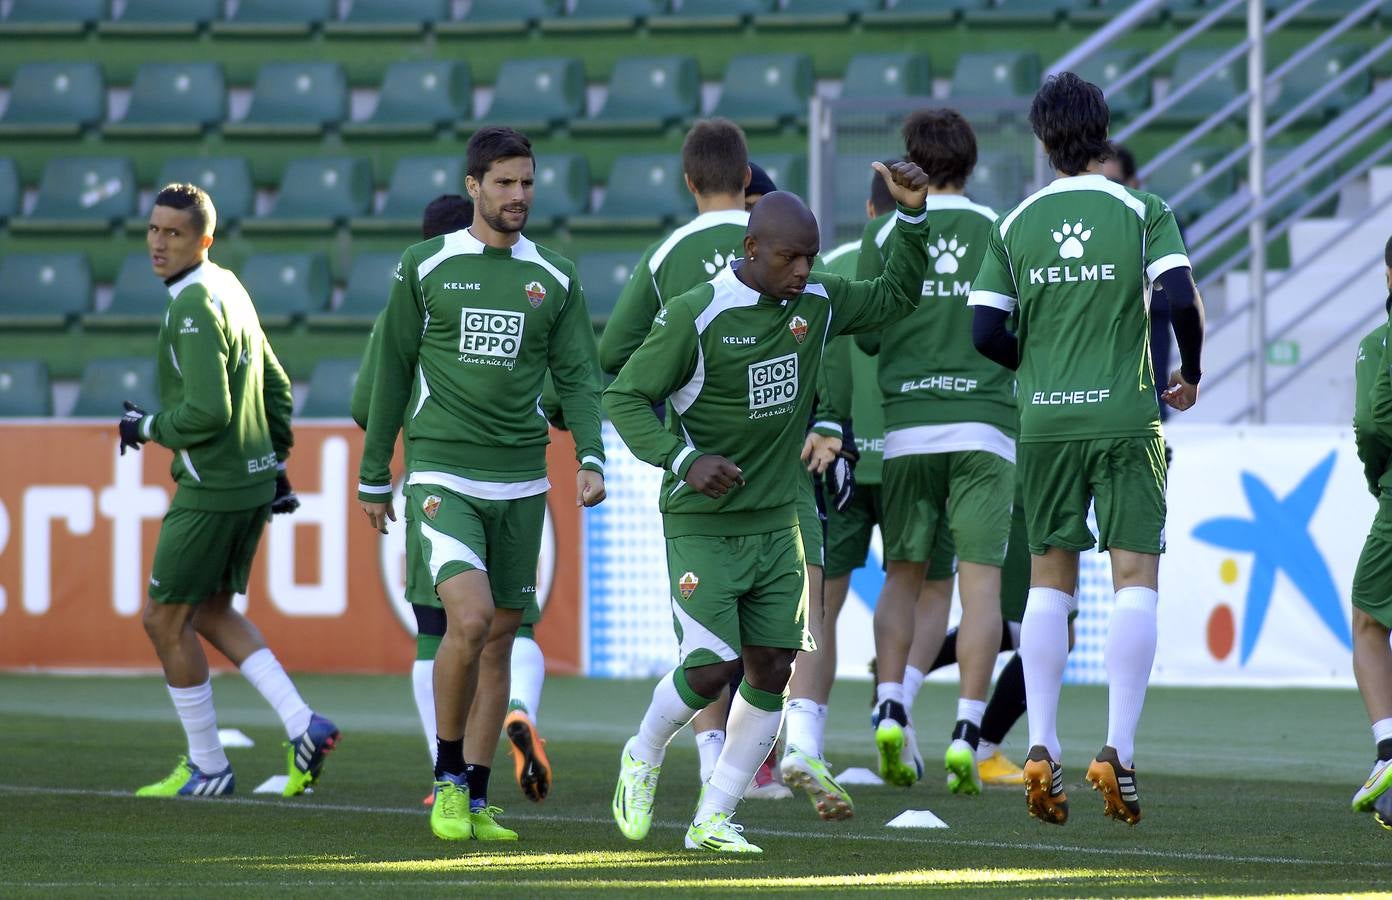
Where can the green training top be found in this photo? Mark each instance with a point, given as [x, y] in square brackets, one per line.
[226, 400]
[1374, 449]
[467, 337]
[1078, 258]
[362, 385]
[694, 253]
[737, 370]
[848, 382]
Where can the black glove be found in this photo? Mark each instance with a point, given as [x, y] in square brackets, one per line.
[129, 427]
[285, 500]
[840, 475]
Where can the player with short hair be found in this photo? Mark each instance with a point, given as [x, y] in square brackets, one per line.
[1372, 580]
[736, 358]
[1076, 262]
[226, 416]
[475, 320]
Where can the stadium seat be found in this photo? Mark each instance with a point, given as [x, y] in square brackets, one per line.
[1314, 73]
[1306, 191]
[1001, 74]
[814, 13]
[295, 99]
[710, 14]
[173, 99]
[52, 17]
[10, 192]
[82, 194]
[276, 17]
[537, 93]
[138, 299]
[415, 181]
[43, 290]
[562, 189]
[416, 98]
[764, 92]
[1023, 12]
[787, 170]
[316, 194]
[1169, 179]
[163, 17]
[330, 389]
[921, 12]
[1109, 65]
[603, 275]
[54, 99]
[390, 17]
[643, 192]
[1000, 179]
[873, 75]
[647, 94]
[227, 180]
[1106, 10]
[500, 16]
[603, 15]
[108, 383]
[369, 283]
[1217, 90]
[1328, 11]
[286, 286]
[1186, 12]
[24, 389]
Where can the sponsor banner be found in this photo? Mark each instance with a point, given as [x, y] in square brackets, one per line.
[79, 523]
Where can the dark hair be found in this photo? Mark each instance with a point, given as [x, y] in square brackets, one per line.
[881, 200]
[1125, 158]
[715, 157]
[759, 181]
[942, 144]
[195, 200]
[1387, 253]
[1070, 116]
[445, 214]
[492, 143]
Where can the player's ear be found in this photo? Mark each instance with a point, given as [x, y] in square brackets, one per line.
[690, 185]
[869, 209]
[205, 242]
[471, 185]
[750, 244]
[748, 176]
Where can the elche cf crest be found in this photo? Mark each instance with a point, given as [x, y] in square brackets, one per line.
[798, 326]
[535, 293]
[430, 506]
[687, 585]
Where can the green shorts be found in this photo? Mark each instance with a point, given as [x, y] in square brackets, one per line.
[201, 553]
[1372, 579]
[731, 591]
[455, 533]
[1126, 478]
[810, 523]
[1015, 574]
[530, 617]
[849, 532]
[967, 492]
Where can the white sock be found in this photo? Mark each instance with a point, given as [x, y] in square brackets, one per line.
[423, 688]
[1130, 653]
[708, 746]
[889, 690]
[803, 732]
[666, 715]
[195, 708]
[913, 680]
[986, 750]
[1044, 653]
[971, 711]
[528, 675]
[750, 734]
[819, 729]
[263, 670]
[1382, 730]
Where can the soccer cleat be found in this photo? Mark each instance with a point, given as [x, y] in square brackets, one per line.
[1382, 811]
[450, 817]
[529, 760]
[187, 780]
[810, 775]
[998, 769]
[911, 756]
[719, 834]
[633, 795]
[890, 741]
[766, 785]
[1044, 794]
[1120, 799]
[306, 753]
[1379, 780]
[962, 775]
[484, 822]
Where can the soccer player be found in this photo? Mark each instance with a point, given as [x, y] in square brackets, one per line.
[226, 416]
[736, 358]
[1076, 262]
[949, 457]
[474, 321]
[1372, 580]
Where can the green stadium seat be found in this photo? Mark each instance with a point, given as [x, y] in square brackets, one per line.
[82, 194]
[390, 17]
[227, 180]
[500, 16]
[787, 170]
[1000, 178]
[815, 13]
[163, 17]
[369, 283]
[10, 192]
[173, 99]
[873, 75]
[24, 389]
[922, 12]
[1186, 12]
[710, 14]
[295, 99]
[43, 290]
[603, 275]
[415, 181]
[52, 17]
[276, 17]
[1178, 173]
[1109, 65]
[316, 194]
[1001, 74]
[1314, 73]
[851, 187]
[562, 189]
[418, 97]
[1288, 206]
[644, 192]
[536, 94]
[1023, 12]
[330, 389]
[1328, 11]
[766, 91]
[603, 15]
[1106, 10]
[54, 99]
[647, 94]
[107, 383]
[138, 300]
[286, 286]
[1220, 88]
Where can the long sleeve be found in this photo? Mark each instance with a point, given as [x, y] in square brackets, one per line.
[574, 363]
[401, 327]
[1381, 404]
[872, 305]
[665, 361]
[632, 317]
[1374, 451]
[361, 401]
[279, 399]
[200, 348]
[833, 388]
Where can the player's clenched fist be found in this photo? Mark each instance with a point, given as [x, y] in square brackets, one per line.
[714, 476]
[589, 488]
[906, 182]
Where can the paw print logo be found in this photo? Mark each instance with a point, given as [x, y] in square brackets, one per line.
[717, 262]
[1070, 239]
[945, 254]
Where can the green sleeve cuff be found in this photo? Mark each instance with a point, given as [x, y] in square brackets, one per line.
[592, 463]
[374, 493]
[828, 429]
[682, 462]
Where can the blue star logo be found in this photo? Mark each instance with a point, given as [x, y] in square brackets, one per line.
[1278, 537]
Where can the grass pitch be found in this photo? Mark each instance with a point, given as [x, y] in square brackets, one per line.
[1244, 793]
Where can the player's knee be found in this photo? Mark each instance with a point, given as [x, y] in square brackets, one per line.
[709, 680]
[159, 624]
[769, 668]
[469, 627]
[1365, 626]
